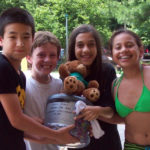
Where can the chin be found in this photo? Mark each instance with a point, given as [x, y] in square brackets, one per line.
[86, 62]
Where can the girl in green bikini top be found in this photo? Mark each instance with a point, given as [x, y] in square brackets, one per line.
[143, 104]
[127, 50]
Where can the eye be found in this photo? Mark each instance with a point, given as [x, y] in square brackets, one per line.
[26, 37]
[117, 47]
[12, 37]
[53, 56]
[80, 45]
[129, 45]
[91, 44]
[41, 55]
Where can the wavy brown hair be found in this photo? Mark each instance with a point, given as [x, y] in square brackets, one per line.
[97, 64]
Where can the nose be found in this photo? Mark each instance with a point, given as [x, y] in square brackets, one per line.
[85, 48]
[20, 42]
[124, 49]
[47, 58]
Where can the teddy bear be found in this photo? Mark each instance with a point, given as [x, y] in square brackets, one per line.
[73, 74]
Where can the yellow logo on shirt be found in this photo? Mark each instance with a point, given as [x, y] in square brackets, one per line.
[21, 95]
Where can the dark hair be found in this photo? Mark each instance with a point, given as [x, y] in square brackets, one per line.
[43, 37]
[97, 64]
[117, 32]
[16, 15]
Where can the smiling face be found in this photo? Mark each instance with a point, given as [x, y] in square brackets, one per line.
[17, 41]
[125, 50]
[85, 48]
[44, 60]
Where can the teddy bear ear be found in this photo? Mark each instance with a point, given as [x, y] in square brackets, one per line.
[93, 83]
[92, 94]
[63, 71]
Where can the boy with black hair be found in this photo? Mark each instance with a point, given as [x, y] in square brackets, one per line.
[16, 36]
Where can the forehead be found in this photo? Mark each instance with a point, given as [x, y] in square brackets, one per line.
[17, 28]
[85, 37]
[123, 37]
[47, 47]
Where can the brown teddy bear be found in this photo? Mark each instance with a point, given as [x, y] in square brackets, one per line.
[73, 73]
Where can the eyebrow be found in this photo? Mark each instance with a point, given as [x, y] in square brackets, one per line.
[13, 32]
[88, 41]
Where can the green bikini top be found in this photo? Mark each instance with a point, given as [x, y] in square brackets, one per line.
[143, 104]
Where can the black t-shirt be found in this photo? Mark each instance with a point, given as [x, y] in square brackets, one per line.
[110, 140]
[10, 82]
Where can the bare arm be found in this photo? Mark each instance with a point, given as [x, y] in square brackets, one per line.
[105, 114]
[19, 120]
[114, 120]
[94, 112]
[38, 139]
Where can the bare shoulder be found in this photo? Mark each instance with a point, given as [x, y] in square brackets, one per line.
[146, 69]
[146, 75]
[114, 87]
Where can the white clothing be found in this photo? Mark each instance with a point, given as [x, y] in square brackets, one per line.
[96, 129]
[35, 103]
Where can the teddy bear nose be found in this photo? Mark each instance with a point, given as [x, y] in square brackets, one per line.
[71, 86]
[92, 95]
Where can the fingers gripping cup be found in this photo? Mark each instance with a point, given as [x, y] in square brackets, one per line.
[59, 113]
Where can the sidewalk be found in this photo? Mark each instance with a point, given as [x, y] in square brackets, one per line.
[121, 129]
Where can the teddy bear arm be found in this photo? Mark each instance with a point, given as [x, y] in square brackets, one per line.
[81, 88]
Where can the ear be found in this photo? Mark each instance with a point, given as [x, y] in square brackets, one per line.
[1, 41]
[32, 38]
[141, 51]
[29, 59]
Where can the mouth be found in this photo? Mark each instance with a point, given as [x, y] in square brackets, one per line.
[46, 67]
[125, 57]
[86, 57]
[19, 51]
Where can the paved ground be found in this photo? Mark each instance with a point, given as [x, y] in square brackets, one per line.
[121, 129]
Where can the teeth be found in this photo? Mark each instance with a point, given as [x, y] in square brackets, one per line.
[86, 56]
[124, 57]
[46, 67]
